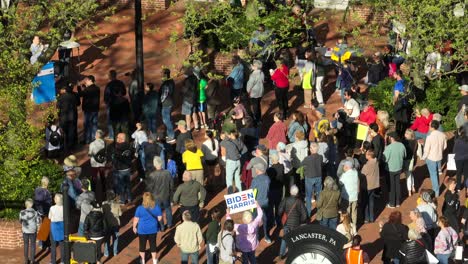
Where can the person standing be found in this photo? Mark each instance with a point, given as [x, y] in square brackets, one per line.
[394, 155]
[67, 104]
[150, 107]
[113, 87]
[255, 90]
[160, 184]
[461, 156]
[277, 183]
[145, 225]
[119, 111]
[189, 98]
[213, 98]
[188, 238]
[411, 145]
[414, 250]
[261, 183]
[83, 203]
[451, 206]
[296, 214]
[30, 221]
[377, 142]
[237, 77]
[190, 196]
[98, 157]
[226, 243]
[56, 228]
[260, 157]
[280, 78]
[90, 105]
[327, 204]
[372, 174]
[298, 123]
[350, 189]
[445, 241]
[436, 143]
[122, 164]
[167, 102]
[312, 176]
[277, 132]
[112, 213]
[42, 204]
[211, 237]
[308, 73]
[400, 104]
[96, 228]
[354, 254]
[232, 148]
[192, 158]
[136, 97]
[393, 234]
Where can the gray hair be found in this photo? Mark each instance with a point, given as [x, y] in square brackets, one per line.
[330, 184]
[413, 234]
[257, 64]
[274, 158]
[157, 162]
[44, 182]
[293, 190]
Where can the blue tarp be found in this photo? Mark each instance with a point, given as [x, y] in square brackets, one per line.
[44, 81]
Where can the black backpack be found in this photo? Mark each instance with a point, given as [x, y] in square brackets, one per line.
[101, 155]
[55, 138]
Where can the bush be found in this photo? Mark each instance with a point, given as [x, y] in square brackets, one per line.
[382, 95]
[10, 213]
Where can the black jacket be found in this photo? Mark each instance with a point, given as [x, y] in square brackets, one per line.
[296, 216]
[122, 156]
[113, 88]
[119, 109]
[378, 145]
[190, 89]
[67, 105]
[151, 150]
[376, 73]
[95, 224]
[91, 98]
[160, 184]
[413, 252]
[393, 236]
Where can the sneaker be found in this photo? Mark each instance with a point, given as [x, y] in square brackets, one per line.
[390, 206]
[170, 140]
[268, 241]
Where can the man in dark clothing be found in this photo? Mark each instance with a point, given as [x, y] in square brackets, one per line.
[376, 72]
[119, 114]
[152, 149]
[377, 143]
[67, 104]
[261, 183]
[312, 175]
[151, 107]
[160, 184]
[90, 106]
[190, 196]
[122, 157]
[113, 88]
[167, 101]
[296, 214]
[136, 98]
[190, 98]
[277, 180]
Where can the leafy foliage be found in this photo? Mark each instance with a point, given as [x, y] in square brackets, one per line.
[382, 95]
[21, 167]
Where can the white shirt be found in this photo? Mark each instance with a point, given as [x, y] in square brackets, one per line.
[207, 148]
[351, 104]
[139, 136]
[56, 213]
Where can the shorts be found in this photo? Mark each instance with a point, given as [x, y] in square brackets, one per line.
[202, 107]
[187, 108]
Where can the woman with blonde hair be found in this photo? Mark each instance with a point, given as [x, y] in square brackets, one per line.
[346, 228]
[145, 224]
[56, 228]
[192, 158]
[411, 145]
[42, 204]
[382, 121]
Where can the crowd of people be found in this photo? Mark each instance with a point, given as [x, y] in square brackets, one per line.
[299, 173]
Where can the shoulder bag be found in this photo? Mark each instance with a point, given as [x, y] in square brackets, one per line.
[284, 217]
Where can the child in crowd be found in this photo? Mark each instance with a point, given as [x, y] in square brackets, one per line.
[30, 221]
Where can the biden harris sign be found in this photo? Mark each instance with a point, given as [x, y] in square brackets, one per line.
[241, 201]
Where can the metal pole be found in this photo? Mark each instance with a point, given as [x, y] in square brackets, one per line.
[139, 45]
[66, 222]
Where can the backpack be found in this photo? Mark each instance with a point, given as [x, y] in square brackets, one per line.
[55, 138]
[101, 155]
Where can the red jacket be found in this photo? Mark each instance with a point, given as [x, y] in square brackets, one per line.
[368, 116]
[421, 124]
[276, 134]
[280, 77]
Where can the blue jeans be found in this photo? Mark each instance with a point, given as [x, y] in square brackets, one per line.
[211, 258]
[90, 126]
[443, 258]
[166, 206]
[329, 222]
[233, 170]
[185, 256]
[151, 124]
[166, 117]
[434, 174]
[265, 224]
[122, 184]
[369, 210]
[283, 242]
[114, 235]
[249, 257]
[420, 135]
[81, 229]
[141, 157]
[312, 184]
[110, 129]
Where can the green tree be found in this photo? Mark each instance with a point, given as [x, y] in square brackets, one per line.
[21, 166]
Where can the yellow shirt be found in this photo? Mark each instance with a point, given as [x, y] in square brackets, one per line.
[192, 160]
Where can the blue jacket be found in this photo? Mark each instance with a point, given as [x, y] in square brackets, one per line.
[294, 127]
[262, 184]
[238, 75]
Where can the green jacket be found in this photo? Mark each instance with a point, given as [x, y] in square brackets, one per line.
[328, 203]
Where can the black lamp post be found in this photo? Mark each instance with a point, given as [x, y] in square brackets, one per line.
[139, 45]
[66, 222]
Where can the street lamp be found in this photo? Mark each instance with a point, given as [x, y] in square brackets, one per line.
[139, 45]
[66, 222]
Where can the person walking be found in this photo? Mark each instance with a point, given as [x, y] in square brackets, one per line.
[280, 78]
[145, 225]
[394, 155]
[328, 203]
[350, 190]
[436, 143]
[160, 184]
[312, 176]
[30, 221]
[167, 102]
[190, 196]
[96, 228]
[188, 238]
[255, 90]
[372, 174]
[90, 105]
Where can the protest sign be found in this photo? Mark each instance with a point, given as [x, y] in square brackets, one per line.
[362, 131]
[451, 165]
[44, 85]
[240, 201]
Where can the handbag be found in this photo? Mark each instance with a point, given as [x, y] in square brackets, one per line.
[44, 229]
[284, 217]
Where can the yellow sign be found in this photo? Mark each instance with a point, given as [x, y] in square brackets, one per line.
[362, 131]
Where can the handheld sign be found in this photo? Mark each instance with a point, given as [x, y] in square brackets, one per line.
[362, 131]
[240, 201]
